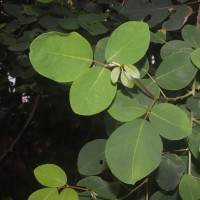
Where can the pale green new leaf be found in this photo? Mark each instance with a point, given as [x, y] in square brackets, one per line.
[44, 194]
[128, 43]
[132, 71]
[195, 57]
[176, 71]
[189, 188]
[91, 158]
[133, 151]
[50, 175]
[68, 194]
[59, 56]
[92, 92]
[126, 80]
[124, 108]
[115, 74]
[170, 121]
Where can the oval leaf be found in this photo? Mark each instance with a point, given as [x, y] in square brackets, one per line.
[60, 57]
[126, 80]
[170, 171]
[128, 43]
[50, 175]
[195, 56]
[170, 121]
[115, 74]
[189, 188]
[176, 71]
[101, 188]
[44, 194]
[68, 194]
[191, 34]
[133, 151]
[92, 92]
[132, 71]
[124, 108]
[91, 159]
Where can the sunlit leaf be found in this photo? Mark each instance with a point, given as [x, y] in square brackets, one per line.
[91, 158]
[159, 36]
[132, 71]
[170, 121]
[133, 151]
[68, 194]
[115, 74]
[50, 175]
[44, 194]
[128, 43]
[126, 80]
[61, 57]
[92, 92]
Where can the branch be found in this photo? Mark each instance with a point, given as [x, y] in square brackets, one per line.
[23, 128]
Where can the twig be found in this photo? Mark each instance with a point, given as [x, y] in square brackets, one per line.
[23, 128]
[150, 108]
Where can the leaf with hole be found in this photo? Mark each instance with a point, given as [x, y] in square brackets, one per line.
[128, 43]
[44, 194]
[50, 175]
[92, 92]
[170, 121]
[59, 56]
[176, 71]
[133, 151]
[91, 158]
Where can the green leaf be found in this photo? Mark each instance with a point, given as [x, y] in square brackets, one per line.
[159, 37]
[92, 92]
[2, 25]
[68, 194]
[193, 103]
[170, 171]
[44, 1]
[99, 53]
[68, 57]
[126, 80]
[124, 108]
[91, 158]
[44, 194]
[133, 151]
[174, 46]
[194, 141]
[128, 43]
[170, 121]
[50, 175]
[189, 188]
[132, 71]
[68, 24]
[191, 34]
[143, 66]
[115, 74]
[49, 22]
[162, 196]
[195, 56]
[104, 189]
[176, 71]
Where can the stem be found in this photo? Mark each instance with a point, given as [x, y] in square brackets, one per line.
[29, 119]
[196, 121]
[76, 187]
[150, 108]
[131, 192]
[147, 191]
